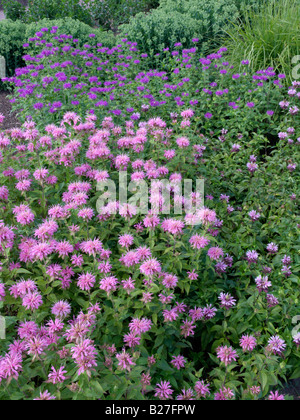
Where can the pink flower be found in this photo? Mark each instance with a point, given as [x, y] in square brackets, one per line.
[169, 154]
[215, 253]
[272, 248]
[77, 260]
[86, 214]
[248, 342]
[188, 113]
[10, 366]
[187, 328]
[202, 390]
[36, 346]
[27, 329]
[46, 230]
[32, 301]
[105, 267]
[198, 241]
[122, 161]
[178, 362]
[127, 211]
[145, 381]
[109, 284]
[173, 226]
[125, 361]
[92, 247]
[132, 339]
[61, 309]
[227, 301]
[186, 395]
[57, 376]
[86, 281]
[182, 142]
[23, 214]
[4, 193]
[45, 396]
[224, 394]
[226, 354]
[41, 174]
[275, 396]
[23, 185]
[151, 221]
[193, 275]
[255, 390]
[55, 326]
[169, 281]
[40, 251]
[272, 300]
[84, 355]
[140, 326]
[163, 390]
[263, 283]
[150, 267]
[276, 345]
[126, 240]
[64, 248]
[2, 292]
[252, 167]
[252, 256]
[254, 215]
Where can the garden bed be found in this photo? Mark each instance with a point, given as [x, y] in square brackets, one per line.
[120, 279]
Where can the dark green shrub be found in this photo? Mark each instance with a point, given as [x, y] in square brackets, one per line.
[56, 9]
[246, 5]
[111, 13]
[160, 29]
[180, 21]
[13, 9]
[12, 35]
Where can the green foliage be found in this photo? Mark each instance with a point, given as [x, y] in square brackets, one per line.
[11, 44]
[180, 21]
[244, 5]
[160, 29]
[55, 9]
[269, 37]
[110, 14]
[13, 9]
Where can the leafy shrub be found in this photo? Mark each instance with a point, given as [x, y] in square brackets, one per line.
[11, 44]
[181, 21]
[159, 29]
[152, 4]
[246, 5]
[57, 9]
[13, 10]
[267, 37]
[110, 14]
